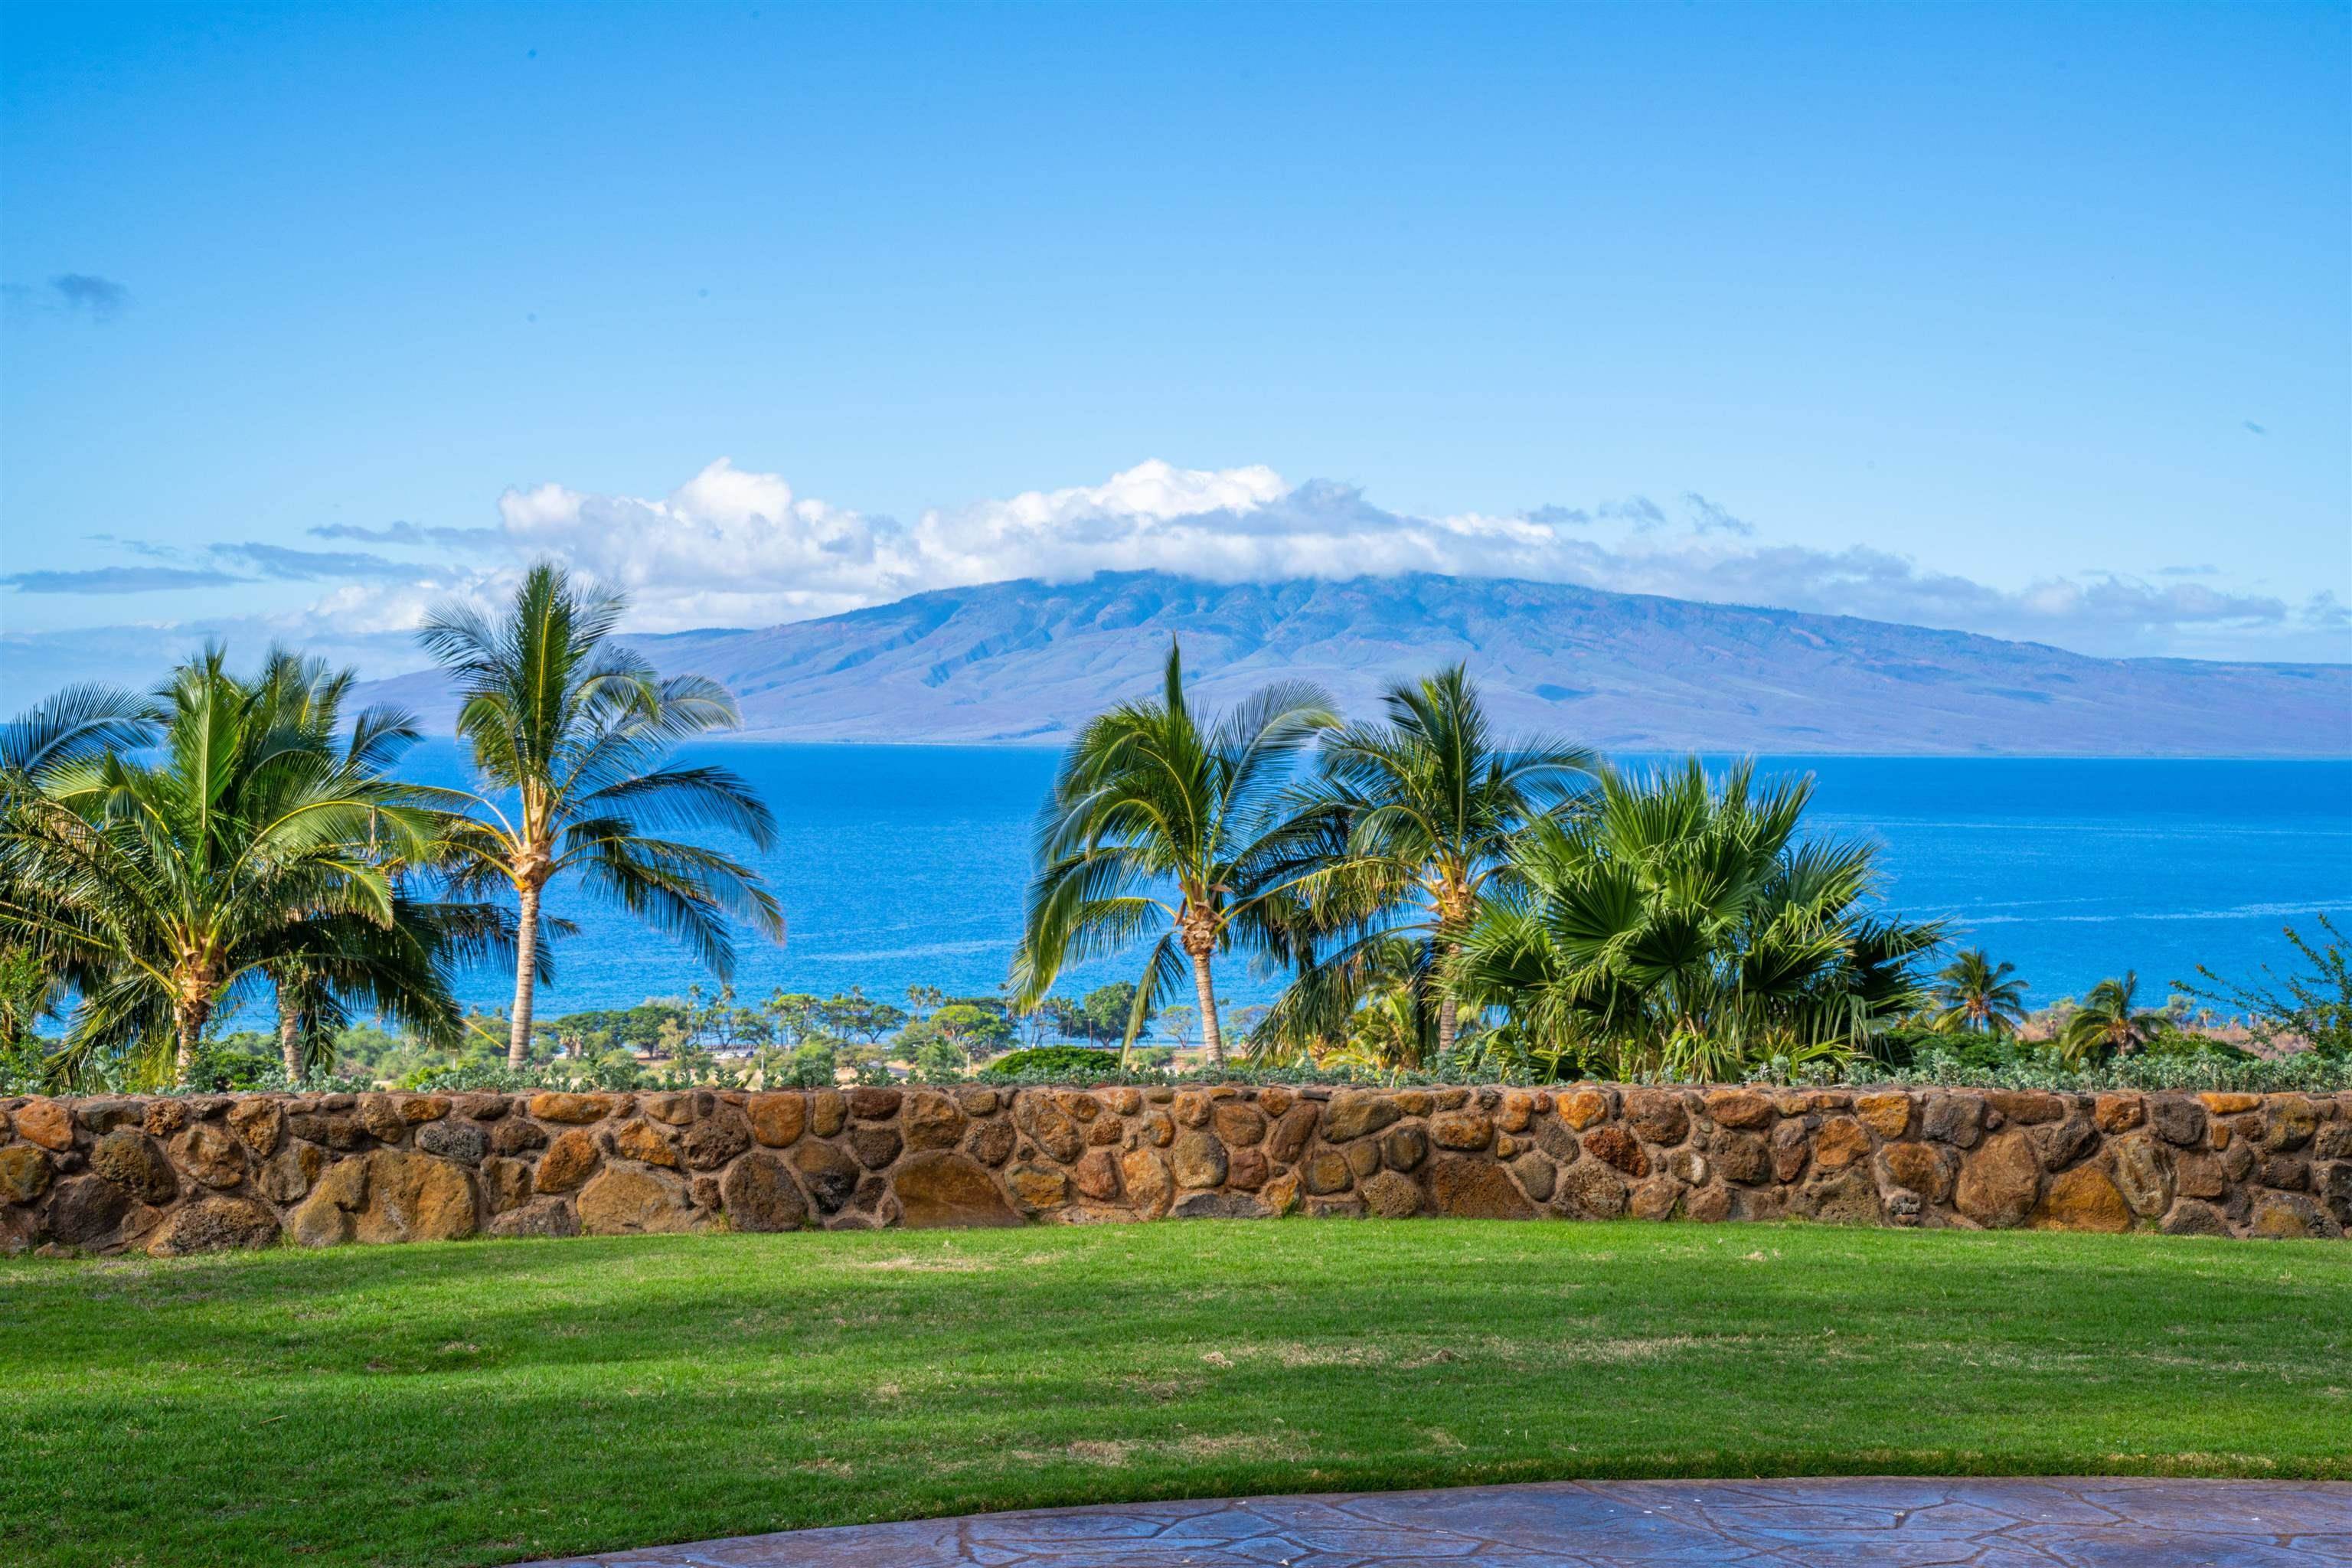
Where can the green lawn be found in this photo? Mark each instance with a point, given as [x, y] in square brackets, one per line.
[488, 1401]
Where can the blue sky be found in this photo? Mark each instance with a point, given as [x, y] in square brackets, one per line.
[2029, 321]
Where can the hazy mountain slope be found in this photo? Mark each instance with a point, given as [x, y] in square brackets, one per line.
[1024, 661]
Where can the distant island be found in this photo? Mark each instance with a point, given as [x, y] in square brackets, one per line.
[1023, 662]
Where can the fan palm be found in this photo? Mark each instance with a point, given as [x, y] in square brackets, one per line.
[1681, 924]
[1431, 801]
[1158, 828]
[165, 888]
[1977, 995]
[569, 737]
[2109, 1023]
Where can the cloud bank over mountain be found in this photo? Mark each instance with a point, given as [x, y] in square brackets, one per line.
[736, 547]
[733, 547]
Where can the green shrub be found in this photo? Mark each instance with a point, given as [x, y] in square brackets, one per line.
[2170, 1043]
[1079, 1061]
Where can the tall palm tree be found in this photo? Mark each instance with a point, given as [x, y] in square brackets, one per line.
[571, 736]
[1159, 827]
[1682, 924]
[1433, 801]
[2109, 1023]
[167, 886]
[1977, 995]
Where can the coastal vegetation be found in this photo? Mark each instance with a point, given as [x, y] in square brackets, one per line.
[1433, 900]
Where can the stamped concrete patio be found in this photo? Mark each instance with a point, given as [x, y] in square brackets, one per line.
[1850, 1523]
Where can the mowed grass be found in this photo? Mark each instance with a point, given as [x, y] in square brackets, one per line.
[488, 1402]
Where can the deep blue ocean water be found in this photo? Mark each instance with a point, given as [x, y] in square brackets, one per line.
[904, 865]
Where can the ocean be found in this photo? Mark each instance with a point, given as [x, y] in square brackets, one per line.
[900, 866]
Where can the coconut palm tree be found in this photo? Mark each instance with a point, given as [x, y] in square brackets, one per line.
[1433, 802]
[2110, 1022]
[1159, 827]
[327, 959]
[1682, 924]
[75, 725]
[330, 966]
[164, 885]
[569, 737]
[1977, 995]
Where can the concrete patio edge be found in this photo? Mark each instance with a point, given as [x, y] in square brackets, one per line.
[1986, 1522]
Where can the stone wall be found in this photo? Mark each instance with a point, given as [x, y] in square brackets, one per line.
[175, 1175]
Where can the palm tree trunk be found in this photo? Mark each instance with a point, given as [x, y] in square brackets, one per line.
[526, 975]
[1212, 1036]
[192, 1032]
[1449, 1006]
[290, 1040]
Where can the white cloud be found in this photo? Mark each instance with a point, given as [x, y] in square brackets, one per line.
[735, 547]
[726, 547]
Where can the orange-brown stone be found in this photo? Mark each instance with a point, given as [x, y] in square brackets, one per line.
[1096, 1175]
[24, 1173]
[778, 1120]
[1999, 1182]
[2118, 1112]
[571, 1160]
[1920, 1167]
[1887, 1114]
[643, 1142]
[1739, 1107]
[1615, 1146]
[1840, 1142]
[46, 1122]
[1148, 1184]
[1580, 1108]
[2026, 1105]
[1239, 1123]
[2082, 1199]
[574, 1108]
[1461, 1130]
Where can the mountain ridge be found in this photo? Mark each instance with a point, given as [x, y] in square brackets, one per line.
[1023, 662]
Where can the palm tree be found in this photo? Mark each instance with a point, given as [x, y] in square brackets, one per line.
[1433, 802]
[1681, 924]
[327, 959]
[1979, 995]
[326, 962]
[73, 726]
[1387, 1031]
[2110, 1022]
[569, 737]
[165, 888]
[1157, 825]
